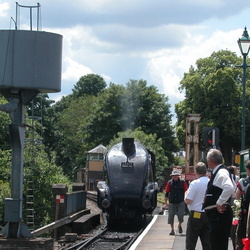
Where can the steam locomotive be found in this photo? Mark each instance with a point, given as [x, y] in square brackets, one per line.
[129, 192]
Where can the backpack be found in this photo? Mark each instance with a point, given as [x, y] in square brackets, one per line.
[246, 195]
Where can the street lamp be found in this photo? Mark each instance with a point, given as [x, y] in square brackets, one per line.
[244, 44]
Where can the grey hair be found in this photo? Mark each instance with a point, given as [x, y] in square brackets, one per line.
[215, 156]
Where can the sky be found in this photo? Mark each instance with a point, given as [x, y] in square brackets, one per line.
[152, 40]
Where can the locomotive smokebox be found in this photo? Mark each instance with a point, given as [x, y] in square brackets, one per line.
[128, 146]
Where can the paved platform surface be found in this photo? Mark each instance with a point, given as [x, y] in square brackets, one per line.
[156, 236]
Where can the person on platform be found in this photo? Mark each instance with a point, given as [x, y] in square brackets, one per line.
[175, 190]
[219, 191]
[240, 191]
[232, 171]
[197, 225]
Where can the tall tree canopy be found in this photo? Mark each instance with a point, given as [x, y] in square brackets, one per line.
[90, 120]
[135, 105]
[90, 84]
[214, 90]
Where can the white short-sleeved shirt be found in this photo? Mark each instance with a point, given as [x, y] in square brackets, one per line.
[223, 181]
[196, 192]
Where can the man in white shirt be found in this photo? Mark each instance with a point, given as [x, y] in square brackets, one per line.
[220, 189]
[197, 225]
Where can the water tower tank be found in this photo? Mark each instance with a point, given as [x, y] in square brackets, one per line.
[30, 60]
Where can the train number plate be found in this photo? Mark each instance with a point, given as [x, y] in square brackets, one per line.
[127, 164]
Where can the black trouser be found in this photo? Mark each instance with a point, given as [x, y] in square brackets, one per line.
[197, 226]
[220, 226]
[241, 231]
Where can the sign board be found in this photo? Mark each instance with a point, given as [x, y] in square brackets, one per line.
[237, 159]
[59, 198]
[190, 177]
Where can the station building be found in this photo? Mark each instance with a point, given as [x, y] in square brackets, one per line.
[94, 168]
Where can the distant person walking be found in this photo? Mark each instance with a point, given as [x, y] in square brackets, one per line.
[175, 190]
[217, 201]
[241, 194]
[197, 225]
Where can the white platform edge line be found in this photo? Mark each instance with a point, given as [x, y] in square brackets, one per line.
[136, 243]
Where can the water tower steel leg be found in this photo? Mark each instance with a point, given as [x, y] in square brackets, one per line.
[13, 206]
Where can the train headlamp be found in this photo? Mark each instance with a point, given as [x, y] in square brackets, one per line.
[105, 203]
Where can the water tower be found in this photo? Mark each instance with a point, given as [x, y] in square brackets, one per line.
[30, 63]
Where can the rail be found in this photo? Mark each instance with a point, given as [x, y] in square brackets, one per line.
[92, 196]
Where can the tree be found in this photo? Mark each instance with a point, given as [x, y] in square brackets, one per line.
[37, 166]
[40, 118]
[213, 89]
[106, 121]
[43, 174]
[91, 120]
[136, 105]
[71, 132]
[90, 84]
[5, 159]
[148, 109]
[4, 127]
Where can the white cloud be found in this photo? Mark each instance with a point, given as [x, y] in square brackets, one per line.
[4, 7]
[152, 40]
[168, 66]
[73, 70]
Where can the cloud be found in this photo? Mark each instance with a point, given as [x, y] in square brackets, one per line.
[152, 40]
[4, 7]
[168, 66]
[73, 70]
[163, 67]
[139, 13]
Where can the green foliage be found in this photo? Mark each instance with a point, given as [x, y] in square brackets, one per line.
[4, 128]
[91, 115]
[213, 90]
[43, 175]
[179, 161]
[136, 105]
[5, 168]
[90, 84]
[5, 165]
[71, 126]
[88, 121]
[4, 192]
[161, 198]
[38, 169]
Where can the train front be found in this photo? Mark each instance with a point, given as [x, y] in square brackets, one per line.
[130, 190]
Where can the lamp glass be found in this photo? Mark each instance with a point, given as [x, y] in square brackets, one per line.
[244, 46]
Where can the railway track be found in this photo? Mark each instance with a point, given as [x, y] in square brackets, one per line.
[108, 240]
[117, 238]
[92, 196]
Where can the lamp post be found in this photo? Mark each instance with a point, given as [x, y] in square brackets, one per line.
[244, 44]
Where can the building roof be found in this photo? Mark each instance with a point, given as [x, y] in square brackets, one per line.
[98, 150]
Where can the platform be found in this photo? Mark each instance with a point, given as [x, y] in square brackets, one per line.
[156, 236]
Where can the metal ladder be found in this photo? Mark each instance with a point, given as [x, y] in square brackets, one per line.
[32, 142]
[30, 213]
